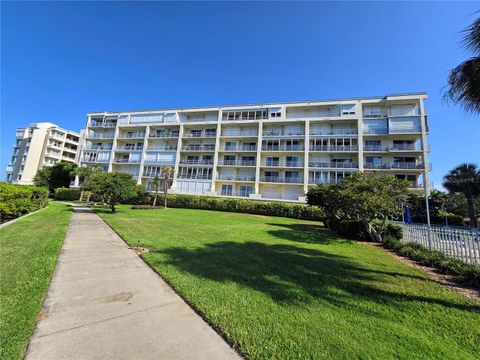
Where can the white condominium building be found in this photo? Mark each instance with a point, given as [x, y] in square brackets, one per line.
[39, 145]
[273, 151]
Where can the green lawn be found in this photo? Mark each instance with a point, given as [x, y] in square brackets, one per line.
[288, 289]
[28, 252]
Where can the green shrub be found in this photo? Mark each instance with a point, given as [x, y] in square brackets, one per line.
[441, 262]
[140, 197]
[17, 200]
[391, 229]
[296, 211]
[352, 229]
[67, 194]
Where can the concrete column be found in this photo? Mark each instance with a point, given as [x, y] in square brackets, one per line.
[306, 156]
[423, 124]
[177, 157]
[359, 113]
[215, 155]
[258, 157]
[142, 155]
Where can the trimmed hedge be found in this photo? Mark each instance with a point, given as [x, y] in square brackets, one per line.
[352, 229]
[441, 262]
[18, 200]
[296, 211]
[67, 194]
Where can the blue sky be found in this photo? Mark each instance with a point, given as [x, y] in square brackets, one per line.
[61, 60]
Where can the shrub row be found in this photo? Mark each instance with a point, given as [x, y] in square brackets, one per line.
[354, 229]
[67, 194]
[443, 263]
[18, 200]
[296, 211]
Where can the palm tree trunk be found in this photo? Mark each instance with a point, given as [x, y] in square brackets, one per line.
[165, 187]
[471, 210]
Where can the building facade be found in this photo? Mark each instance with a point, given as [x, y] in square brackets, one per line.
[272, 151]
[39, 145]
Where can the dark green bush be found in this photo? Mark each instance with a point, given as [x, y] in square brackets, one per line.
[441, 262]
[391, 229]
[67, 194]
[296, 211]
[17, 200]
[352, 229]
[140, 197]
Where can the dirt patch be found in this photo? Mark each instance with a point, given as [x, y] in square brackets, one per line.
[43, 314]
[450, 281]
[140, 250]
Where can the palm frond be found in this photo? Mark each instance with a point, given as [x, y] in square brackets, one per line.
[471, 38]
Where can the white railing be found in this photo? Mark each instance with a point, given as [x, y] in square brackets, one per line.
[283, 148]
[196, 162]
[333, 165]
[333, 148]
[334, 132]
[165, 135]
[236, 177]
[237, 162]
[279, 179]
[461, 243]
[275, 133]
[240, 134]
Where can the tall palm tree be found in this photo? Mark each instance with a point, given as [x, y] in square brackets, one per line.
[464, 81]
[167, 173]
[464, 178]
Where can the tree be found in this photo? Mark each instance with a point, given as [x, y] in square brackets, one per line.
[111, 187]
[56, 176]
[84, 172]
[156, 186]
[167, 172]
[464, 80]
[362, 197]
[465, 178]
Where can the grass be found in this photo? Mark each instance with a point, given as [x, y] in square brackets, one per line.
[283, 288]
[28, 252]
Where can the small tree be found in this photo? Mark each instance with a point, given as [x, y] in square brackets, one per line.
[111, 187]
[156, 185]
[362, 197]
[167, 172]
[465, 178]
[84, 172]
[56, 176]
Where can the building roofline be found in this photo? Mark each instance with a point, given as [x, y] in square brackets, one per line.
[422, 93]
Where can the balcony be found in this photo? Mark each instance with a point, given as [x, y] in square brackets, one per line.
[375, 131]
[196, 162]
[129, 148]
[323, 181]
[384, 131]
[244, 148]
[236, 193]
[162, 148]
[100, 136]
[210, 148]
[241, 134]
[200, 135]
[293, 164]
[399, 147]
[283, 148]
[97, 148]
[333, 165]
[195, 177]
[137, 135]
[165, 135]
[282, 134]
[102, 124]
[126, 161]
[280, 179]
[334, 148]
[395, 165]
[244, 178]
[237, 163]
[335, 132]
[93, 160]
[152, 174]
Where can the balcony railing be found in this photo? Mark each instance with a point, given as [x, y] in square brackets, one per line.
[152, 174]
[240, 148]
[236, 178]
[283, 148]
[137, 135]
[100, 136]
[375, 131]
[236, 193]
[282, 164]
[200, 135]
[237, 163]
[100, 124]
[282, 133]
[395, 165]
[127, 161]
[98, 148]
[198, 148]
[195, 176]
[241, 134]
[333, 165]
[405, 130]
[165, 135]
[333, 148]
[323, 181]
[129, 148]
[399, 147]
[196, 162]
[334, 132]
[95, 160]
[280, 179]
[162, 148]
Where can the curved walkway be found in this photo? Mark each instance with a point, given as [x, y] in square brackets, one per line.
[106, 303]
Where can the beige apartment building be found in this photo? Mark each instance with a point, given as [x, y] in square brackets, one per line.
[39, 145]
[272, 151]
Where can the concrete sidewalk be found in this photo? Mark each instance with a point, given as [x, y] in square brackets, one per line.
[106, 303]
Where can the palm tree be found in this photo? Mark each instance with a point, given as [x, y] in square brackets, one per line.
[156, 185]
[167, 172]
[464, 80]
[464, 178]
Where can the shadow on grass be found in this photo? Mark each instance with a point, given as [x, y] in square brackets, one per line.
[294, 276]
[305, 233]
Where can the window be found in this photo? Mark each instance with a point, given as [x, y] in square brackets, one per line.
[272, 161]
[372, 145]
[292, 161]
[246, 190]
[275, 114]
[227, 190]
[373, 161]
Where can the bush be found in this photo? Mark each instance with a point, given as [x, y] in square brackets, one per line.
[17, 200]
[67, 194]
[140, 197]
[390, 229]
[296, 211]
[443, 263]
[352, 229]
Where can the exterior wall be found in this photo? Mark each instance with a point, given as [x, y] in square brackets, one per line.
[264, 151]
[40, 145]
